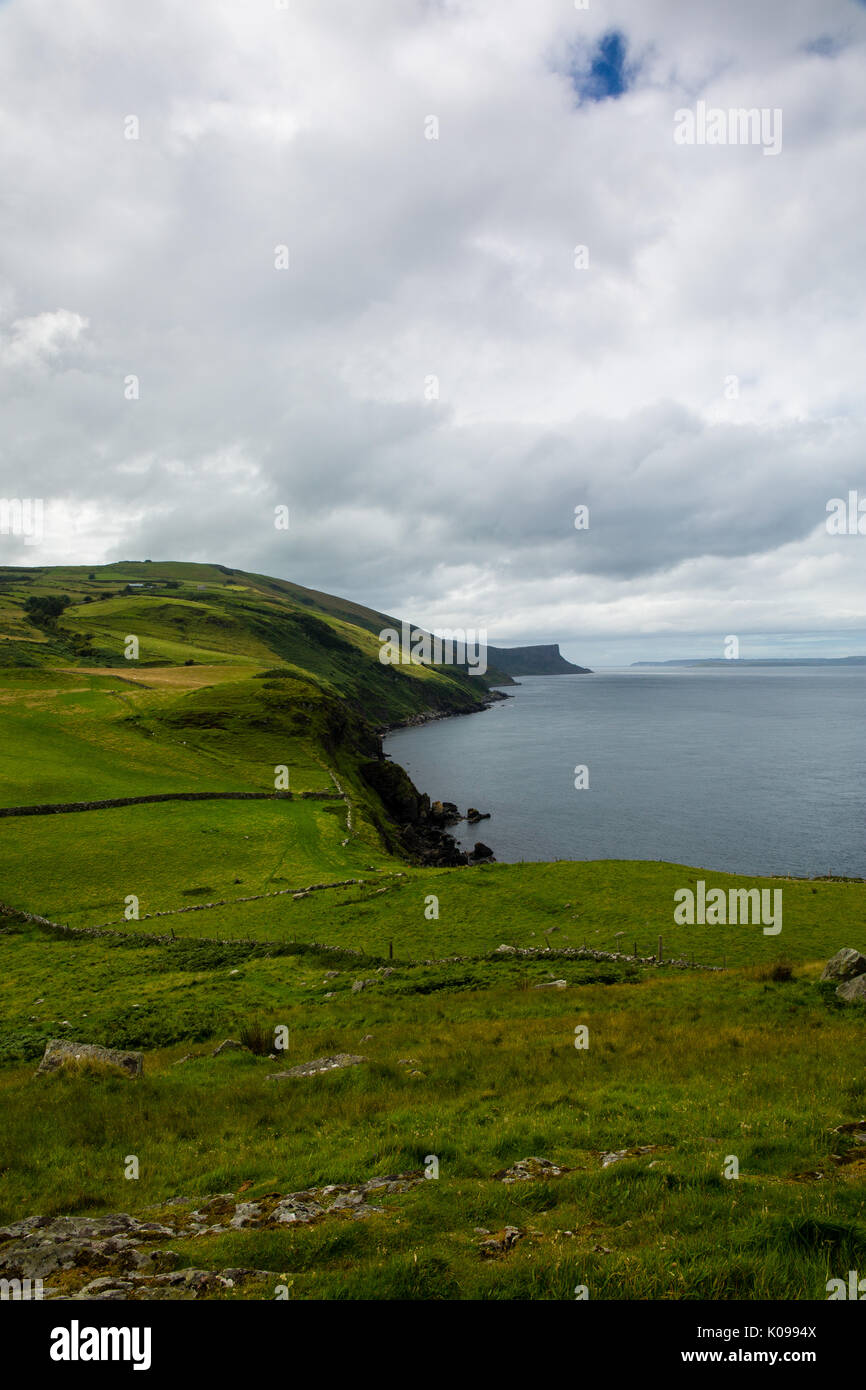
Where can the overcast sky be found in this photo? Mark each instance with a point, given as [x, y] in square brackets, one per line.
[698, 385]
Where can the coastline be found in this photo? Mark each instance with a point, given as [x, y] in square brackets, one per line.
[424, 835]
[431, 716]
[491, 769]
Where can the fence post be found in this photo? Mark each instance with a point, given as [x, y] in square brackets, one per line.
[659, 957]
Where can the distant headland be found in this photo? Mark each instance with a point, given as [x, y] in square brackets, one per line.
[760, 661]
[533, 661]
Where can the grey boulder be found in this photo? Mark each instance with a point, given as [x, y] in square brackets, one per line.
[847, 964]
[63, 1052]
[853, 991]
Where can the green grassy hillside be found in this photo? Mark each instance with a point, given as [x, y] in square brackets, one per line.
[246, 923]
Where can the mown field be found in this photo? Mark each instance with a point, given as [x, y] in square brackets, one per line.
[464, 1059]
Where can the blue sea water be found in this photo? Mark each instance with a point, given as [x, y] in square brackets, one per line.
[750, 770]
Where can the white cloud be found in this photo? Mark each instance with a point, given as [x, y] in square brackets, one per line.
[454, 258]
[37, 340]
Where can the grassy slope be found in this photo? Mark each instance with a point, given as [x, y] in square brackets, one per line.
[703, 1065]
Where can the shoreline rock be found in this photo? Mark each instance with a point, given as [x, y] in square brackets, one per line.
[415, 826]
[482, 852]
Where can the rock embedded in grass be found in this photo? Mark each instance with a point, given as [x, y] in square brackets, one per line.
[613, 1156]
[181, 1283]
[319, 1065]
[529, 1169]
[853, 991]
[64, 1052]
[41, 1246]
[230, 1045]
[617, 1155]
[847, 964]
[855, 1127]
[111, 1256]
[501, 1244]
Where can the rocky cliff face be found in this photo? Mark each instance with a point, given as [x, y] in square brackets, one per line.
[415, 827]
[533, 661]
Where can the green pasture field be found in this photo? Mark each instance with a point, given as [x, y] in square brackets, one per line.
[79, 868]
[611, 905]
[698, 1066]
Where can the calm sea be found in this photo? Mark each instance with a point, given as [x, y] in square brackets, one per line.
[750, 770]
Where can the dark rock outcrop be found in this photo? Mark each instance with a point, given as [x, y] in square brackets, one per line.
[414, 827]
[480, 852]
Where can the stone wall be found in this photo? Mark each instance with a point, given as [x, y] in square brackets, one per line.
[61, 807]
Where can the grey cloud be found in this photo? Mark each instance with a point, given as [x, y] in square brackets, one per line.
[412, 258]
